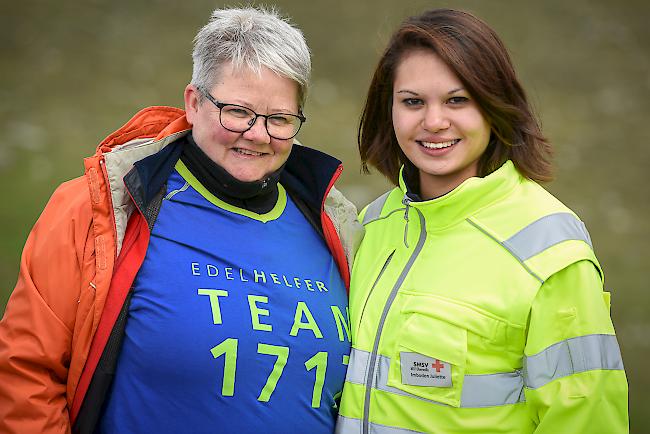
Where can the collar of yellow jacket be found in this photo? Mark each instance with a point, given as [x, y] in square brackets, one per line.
[469, 197]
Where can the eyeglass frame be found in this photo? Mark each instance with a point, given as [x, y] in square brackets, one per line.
[220, 105]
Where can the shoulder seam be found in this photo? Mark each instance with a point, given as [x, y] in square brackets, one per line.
[514, 254]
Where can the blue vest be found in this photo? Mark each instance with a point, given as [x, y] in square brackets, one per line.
[238, 323]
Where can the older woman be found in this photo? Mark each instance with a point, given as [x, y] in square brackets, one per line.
[194, 279]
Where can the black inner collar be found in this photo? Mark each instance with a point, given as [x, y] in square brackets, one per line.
[257, 196]
[411, 176]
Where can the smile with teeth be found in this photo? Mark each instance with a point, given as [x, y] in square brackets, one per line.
[440, 145]
[248, 152]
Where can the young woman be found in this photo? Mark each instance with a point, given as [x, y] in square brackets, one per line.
[477, 303]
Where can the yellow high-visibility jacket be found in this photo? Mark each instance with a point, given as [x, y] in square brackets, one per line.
[481, 311]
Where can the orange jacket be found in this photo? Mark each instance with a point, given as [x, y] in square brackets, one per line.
[49, 339]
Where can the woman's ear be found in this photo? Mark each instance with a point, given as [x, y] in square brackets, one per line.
[192, 99]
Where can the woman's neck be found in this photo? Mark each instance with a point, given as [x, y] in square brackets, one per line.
[256, 196]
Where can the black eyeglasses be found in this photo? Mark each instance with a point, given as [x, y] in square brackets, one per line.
[239, 119]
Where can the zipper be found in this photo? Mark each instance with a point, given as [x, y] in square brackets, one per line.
[381, 272]
[331, 235]
[373, 361]
[406, 202]
[520, 374]
[335, 177]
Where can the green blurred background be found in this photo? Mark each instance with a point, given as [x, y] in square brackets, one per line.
[73, 71]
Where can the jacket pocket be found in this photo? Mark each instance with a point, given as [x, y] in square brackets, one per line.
[607, 298]
[431, 353]
[429, 361]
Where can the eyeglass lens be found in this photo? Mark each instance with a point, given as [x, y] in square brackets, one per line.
[280, 125]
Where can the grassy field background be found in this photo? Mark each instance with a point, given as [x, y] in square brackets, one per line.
[73, 71]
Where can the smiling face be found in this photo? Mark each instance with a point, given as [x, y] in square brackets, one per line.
[438, 126]
[251, 155]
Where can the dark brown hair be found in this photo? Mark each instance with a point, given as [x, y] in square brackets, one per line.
[480, 60]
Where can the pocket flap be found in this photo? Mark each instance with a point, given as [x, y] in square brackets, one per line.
[607, 298]
[434, 338]
[454, 312]
[429, 361]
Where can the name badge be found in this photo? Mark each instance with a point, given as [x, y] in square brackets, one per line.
[420, 370]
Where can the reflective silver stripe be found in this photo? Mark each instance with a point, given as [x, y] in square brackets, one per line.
[374, 209]
[488, 234]
[389, 301]
[173, 193]
[491, 390]
[584, 353]
[348, 425]
[478, 390]
[357, 367]
[546, 232]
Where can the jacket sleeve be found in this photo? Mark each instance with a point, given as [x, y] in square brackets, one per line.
[36, 330]
[573, 370]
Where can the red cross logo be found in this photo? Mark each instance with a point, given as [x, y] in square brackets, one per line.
[437, 366]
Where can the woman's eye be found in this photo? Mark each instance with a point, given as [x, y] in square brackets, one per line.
[279, 120]
[410, 102]
[237, 112]
[457, 99]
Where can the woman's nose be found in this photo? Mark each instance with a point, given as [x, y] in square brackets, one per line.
[435, 119]
[258, 132]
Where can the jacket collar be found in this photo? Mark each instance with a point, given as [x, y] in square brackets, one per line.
[472, 195]
[155, 123]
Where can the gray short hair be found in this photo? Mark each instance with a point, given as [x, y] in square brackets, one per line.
[254, 38]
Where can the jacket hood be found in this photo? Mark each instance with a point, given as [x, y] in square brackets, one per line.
[150, 123]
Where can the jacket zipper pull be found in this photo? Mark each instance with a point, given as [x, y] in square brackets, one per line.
[406, 202]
